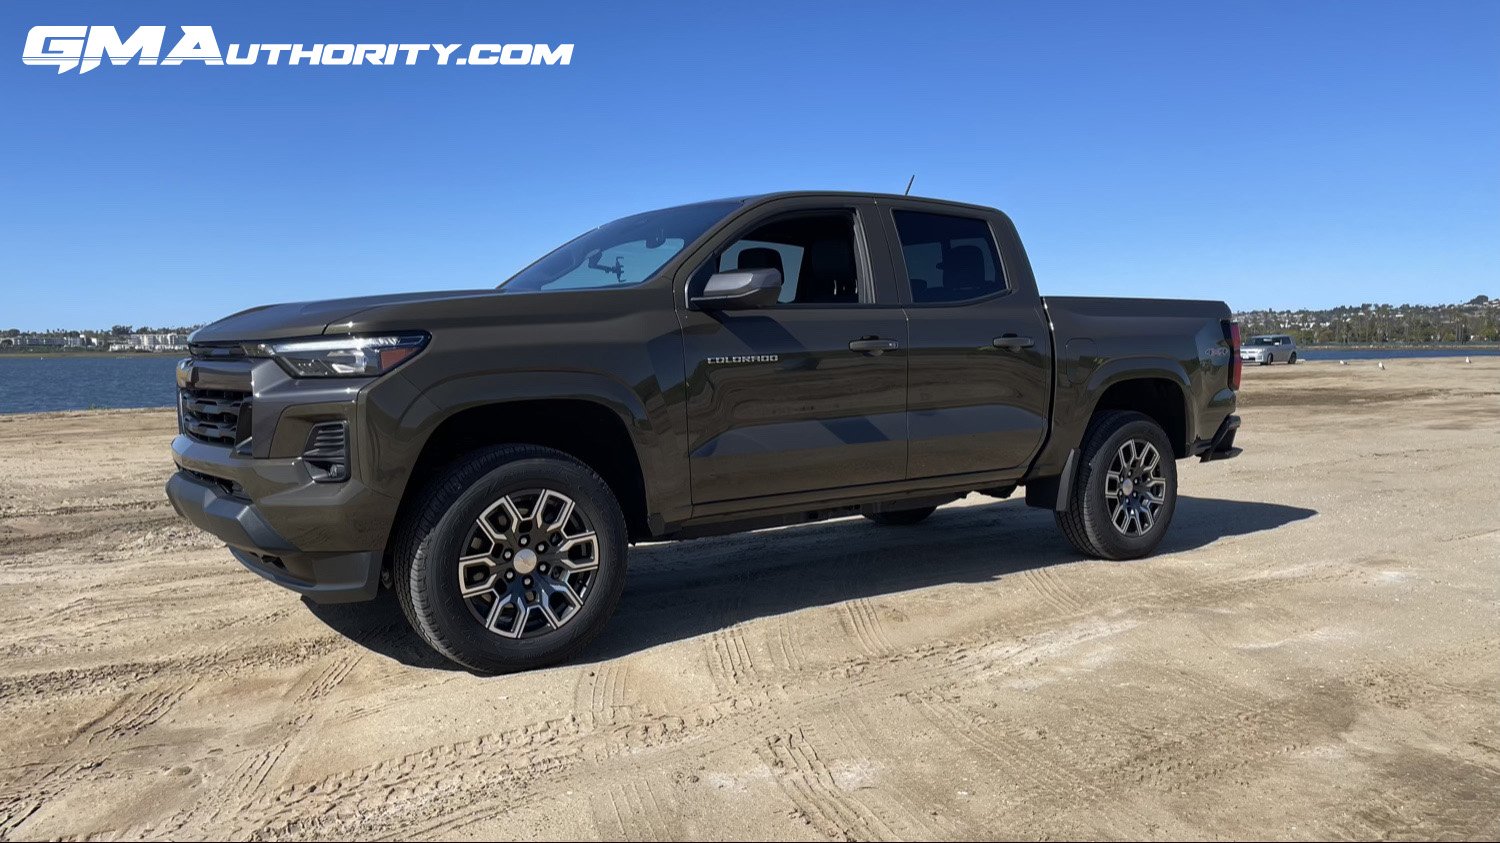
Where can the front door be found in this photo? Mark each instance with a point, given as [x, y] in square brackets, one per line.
[808, 393]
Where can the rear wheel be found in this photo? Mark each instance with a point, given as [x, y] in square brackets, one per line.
[901, 517]
[1125, 491]
[515, 559]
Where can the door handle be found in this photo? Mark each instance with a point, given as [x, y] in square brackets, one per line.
[873, 346]
[1013, 341]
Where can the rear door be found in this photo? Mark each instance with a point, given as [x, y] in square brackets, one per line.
[809, 393]
[980, 350]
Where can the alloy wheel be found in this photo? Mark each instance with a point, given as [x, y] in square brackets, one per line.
[528, 564]
[1134, 487]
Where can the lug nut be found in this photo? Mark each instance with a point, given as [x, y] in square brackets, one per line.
[542, 568]
[523, 541]
[510, 575]
[526, 581]
[541, 548]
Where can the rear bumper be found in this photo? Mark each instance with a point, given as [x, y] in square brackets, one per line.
[324, 577]
[1221, 446]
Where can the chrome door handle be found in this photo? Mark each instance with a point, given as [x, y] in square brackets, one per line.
[1013, 341]
[873, 346]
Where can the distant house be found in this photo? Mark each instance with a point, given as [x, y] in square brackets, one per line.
[159, 341]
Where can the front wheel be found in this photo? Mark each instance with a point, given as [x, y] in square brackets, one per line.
[1268, 360]
[1292, 360]
[1125, 491]
[514, 559]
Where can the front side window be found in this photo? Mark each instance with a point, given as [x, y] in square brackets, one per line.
[948, 258]
[626, 251]
[815, 253]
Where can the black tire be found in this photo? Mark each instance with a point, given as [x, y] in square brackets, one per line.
[431, 535]
[1268, 359]
[901, 517]
[1087, 523]
[1291, 361]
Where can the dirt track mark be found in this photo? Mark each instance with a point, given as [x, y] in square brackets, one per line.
[601, 693]
[786, 651]
[1052, 589]
[134, 714]
[636, 809]
[861, 621]
[86, 509]
[110, 678]
[1040, 774]
[815, 794]
[730, 659]
[329, 678]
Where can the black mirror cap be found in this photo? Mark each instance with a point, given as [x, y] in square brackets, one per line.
[738, 289]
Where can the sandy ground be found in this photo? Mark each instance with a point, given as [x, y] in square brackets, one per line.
[1315, 654]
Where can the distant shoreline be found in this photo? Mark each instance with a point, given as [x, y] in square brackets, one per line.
[8, 354]
[1404, 346]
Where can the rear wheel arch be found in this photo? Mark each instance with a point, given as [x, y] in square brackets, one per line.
[1162, 399]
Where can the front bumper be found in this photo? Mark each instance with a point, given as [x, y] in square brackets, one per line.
[325, 577]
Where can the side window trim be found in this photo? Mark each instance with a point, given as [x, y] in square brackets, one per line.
[859, 216]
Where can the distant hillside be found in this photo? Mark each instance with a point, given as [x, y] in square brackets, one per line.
[1476, 321]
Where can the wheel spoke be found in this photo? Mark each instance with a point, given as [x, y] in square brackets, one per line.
[550, 589]
[587, 562]
[565, 511]
[496, 617]
[470, 585]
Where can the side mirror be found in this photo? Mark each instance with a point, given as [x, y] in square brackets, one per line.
[739, 289]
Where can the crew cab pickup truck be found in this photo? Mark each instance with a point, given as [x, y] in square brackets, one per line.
[715, 367]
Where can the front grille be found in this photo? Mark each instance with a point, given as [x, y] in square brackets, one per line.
[210, 351]
[220, 416]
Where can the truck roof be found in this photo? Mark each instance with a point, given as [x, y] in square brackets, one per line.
[858, 194]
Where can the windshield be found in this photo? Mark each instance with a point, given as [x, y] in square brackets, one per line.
[626, 251]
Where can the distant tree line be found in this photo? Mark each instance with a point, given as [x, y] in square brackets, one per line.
[1476, 321]
[115, 331]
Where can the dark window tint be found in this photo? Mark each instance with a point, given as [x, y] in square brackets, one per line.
[948, 258]
[815, 253]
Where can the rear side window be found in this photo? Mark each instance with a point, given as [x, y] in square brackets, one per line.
[948, 258]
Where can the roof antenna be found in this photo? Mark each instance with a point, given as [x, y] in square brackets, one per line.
[909, 181]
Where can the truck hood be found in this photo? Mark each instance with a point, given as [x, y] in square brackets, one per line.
[304, 319]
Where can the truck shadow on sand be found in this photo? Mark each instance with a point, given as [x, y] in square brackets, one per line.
[678, 590]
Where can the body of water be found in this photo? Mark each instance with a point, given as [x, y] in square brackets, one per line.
[47, 384]
[43, 384]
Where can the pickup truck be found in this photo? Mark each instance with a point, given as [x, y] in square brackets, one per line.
[715, 367]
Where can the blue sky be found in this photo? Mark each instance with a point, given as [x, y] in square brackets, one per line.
[1270, 154]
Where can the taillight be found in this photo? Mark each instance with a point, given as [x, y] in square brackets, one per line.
[1236, 365]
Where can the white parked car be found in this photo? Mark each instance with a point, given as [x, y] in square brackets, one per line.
[1269, 348]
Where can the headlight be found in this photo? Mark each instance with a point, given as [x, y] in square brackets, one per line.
[341, 357]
